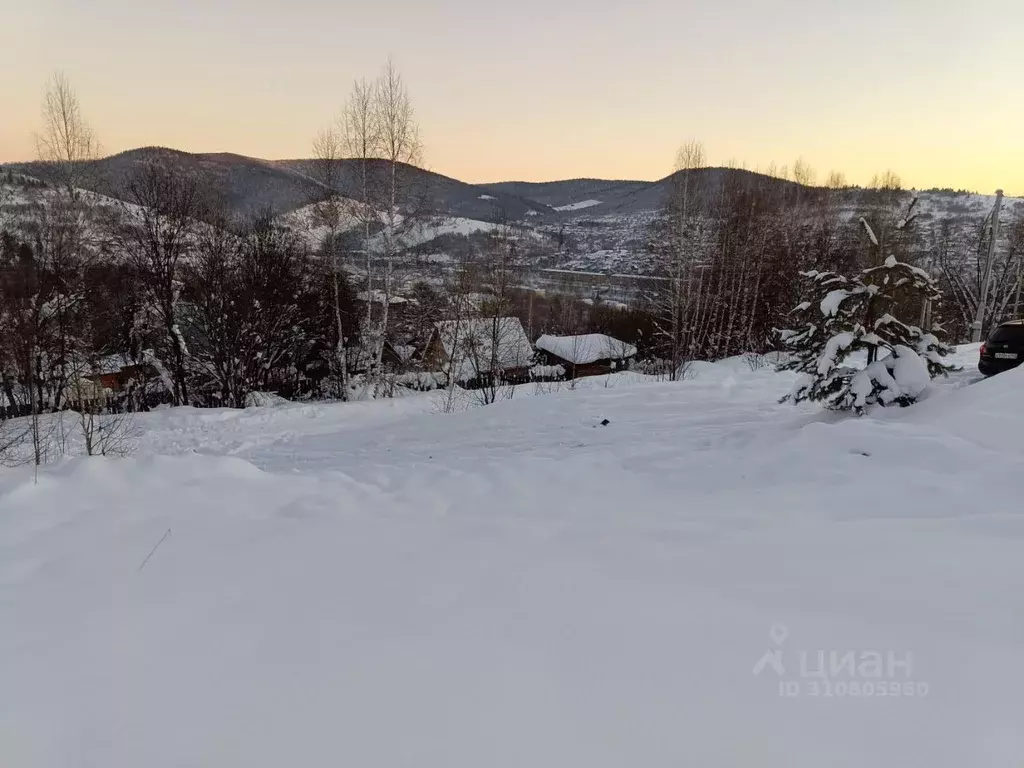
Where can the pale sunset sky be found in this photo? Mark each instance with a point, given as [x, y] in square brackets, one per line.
[538, 90]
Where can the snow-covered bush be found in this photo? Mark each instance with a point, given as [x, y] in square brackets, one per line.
[754, 361]
[844, 318]
[547, 373]
[264, 400]
[421, 381]
[652, 366]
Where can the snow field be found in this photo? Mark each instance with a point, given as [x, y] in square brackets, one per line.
[578, 206]
[383, 584]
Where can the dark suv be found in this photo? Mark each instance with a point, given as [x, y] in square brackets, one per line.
[1004, 349]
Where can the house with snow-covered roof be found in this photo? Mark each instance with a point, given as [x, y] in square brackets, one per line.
[123, 371]
[476, 349]
[399, 357]
[589, 354]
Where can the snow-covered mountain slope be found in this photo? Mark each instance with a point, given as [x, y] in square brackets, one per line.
[432, 192]
[381, 583]
[578, 206]
[561, 195]
[25, 202]
[598, 225]
[247, 185]
[582, 228]
[309, 221]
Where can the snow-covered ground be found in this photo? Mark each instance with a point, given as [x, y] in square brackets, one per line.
[578, 206]
[385, 584]
[454, 225]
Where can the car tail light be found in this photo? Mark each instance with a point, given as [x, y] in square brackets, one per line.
[981, 352]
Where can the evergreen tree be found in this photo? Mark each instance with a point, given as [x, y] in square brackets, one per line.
[844, 318]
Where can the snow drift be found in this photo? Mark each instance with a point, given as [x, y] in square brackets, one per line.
[524, 584]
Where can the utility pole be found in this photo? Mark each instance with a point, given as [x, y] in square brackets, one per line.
[979, 319]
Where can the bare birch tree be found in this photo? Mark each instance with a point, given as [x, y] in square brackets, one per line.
[675, 249]
[63, 246]
[66, 140]
[156, 230]
[495, 347]
[399, 146]
[330, 212]
[836, 180]
[803, 173]
[105, 431]
[360, 136]
[452, 331]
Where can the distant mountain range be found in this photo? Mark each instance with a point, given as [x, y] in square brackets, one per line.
[587, 224]
[248, 184]
[245, 183]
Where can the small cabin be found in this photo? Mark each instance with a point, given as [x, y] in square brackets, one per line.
[117, 372]
[590, 354]
[398, 357]
[475, 350]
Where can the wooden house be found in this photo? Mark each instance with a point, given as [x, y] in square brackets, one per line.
[118, 372]
[399, 357]
[591, 354]
[144, 382]
[475, 350]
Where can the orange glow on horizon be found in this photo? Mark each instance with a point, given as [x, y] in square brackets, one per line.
[610, 94]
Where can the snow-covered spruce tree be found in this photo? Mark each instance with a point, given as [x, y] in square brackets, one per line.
[845, 318]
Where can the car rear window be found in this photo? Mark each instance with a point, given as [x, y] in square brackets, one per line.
[1008, 333]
